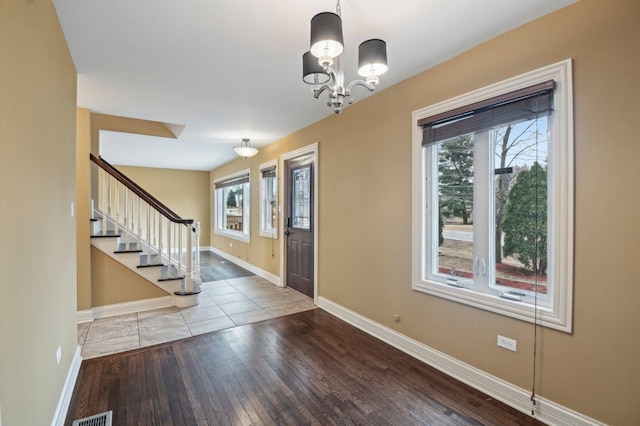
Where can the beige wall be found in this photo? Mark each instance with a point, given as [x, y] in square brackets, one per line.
[186, 192]
[83, 207]
[37, 171]
[365, 264]
[113, 282]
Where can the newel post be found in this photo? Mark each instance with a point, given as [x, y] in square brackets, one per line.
[189, 294]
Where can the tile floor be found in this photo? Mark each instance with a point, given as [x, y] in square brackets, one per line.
[224, 303]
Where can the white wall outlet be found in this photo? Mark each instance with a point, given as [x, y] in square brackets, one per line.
[396, 318]
[505, 342]
[73, 210]
[58, 355]
[230, 244]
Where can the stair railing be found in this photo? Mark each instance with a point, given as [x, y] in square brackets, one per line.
[121, 200]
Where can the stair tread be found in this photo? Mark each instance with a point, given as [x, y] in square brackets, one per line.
[130, 248]
[145, 262]
[165, 276]
[109, 234]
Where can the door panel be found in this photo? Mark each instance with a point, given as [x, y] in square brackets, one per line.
[300, 223]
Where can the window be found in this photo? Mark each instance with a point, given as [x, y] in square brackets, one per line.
[493, 198]
[269, 200]
[231, 201]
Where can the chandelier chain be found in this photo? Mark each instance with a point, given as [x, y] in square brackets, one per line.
[338, 9]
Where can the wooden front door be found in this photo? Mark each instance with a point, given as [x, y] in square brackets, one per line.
[299, 223]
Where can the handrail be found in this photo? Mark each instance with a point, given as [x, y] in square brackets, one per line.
[140, 192]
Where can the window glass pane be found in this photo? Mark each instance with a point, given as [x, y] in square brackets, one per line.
[301, 197]
[455, 208]
[233, 196]
[269, 208]
[520, 188]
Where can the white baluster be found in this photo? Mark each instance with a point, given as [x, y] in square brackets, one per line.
[197, 252]
[117, 219]
[189, 287]
[169, 272]
[179, 230]
[148, 233]
[126, 218]
[106, 190]
[139, 224]
[159, 238]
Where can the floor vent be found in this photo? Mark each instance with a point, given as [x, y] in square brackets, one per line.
[103, 419]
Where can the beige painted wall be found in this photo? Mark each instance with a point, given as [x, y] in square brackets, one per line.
[186, 192]
[37, 171]
[113, 282]
[365, 264]
[83, 207]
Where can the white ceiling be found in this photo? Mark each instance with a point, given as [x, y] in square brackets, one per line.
[229, 69]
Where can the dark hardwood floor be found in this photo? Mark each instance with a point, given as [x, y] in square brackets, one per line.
[307, 368]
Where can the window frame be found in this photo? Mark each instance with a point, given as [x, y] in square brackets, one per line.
[560, 172]
[264, 230]
[219, 208]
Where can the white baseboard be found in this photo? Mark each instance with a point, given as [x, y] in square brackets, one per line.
[85, 316]
[67, 391]
[125, 308]
[546, 411]
[249, 267]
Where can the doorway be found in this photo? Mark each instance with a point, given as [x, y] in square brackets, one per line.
[300, 221]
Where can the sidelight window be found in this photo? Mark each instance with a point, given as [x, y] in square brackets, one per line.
[269, 200]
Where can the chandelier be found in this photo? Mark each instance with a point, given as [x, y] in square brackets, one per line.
[321, 64]
[245, 149]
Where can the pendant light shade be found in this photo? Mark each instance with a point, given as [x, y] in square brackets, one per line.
[326, 35]
[372, 58]
[245, 149]
[312, 71]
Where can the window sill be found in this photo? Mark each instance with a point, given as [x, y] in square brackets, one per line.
[489, 302]
[268, 234]
[233, 235]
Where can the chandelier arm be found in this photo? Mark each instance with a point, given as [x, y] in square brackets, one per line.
[317, 92]
[369, 86]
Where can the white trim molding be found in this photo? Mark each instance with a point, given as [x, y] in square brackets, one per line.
[125, 308]
[249, 267]
[558, 312]
[546, 411]
[312, 151]
[67, 390]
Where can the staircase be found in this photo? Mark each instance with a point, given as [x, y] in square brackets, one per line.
[141, 233]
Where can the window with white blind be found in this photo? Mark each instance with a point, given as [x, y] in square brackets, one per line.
[493, 198]
[269, 199]
[231, 206]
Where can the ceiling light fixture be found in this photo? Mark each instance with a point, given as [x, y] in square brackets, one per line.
[321, 64]
[245, 150]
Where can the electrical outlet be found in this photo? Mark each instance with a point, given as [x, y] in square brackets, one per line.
[505, 342]
[73, 210]
[58, 355]
[396, 318]
[230, 244]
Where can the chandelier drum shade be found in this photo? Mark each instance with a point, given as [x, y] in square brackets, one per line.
[321, 64]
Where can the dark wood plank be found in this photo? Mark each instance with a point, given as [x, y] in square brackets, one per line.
[308, 368]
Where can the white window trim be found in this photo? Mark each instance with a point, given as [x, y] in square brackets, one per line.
[269, 234]
[560, 168]
[246, 210]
